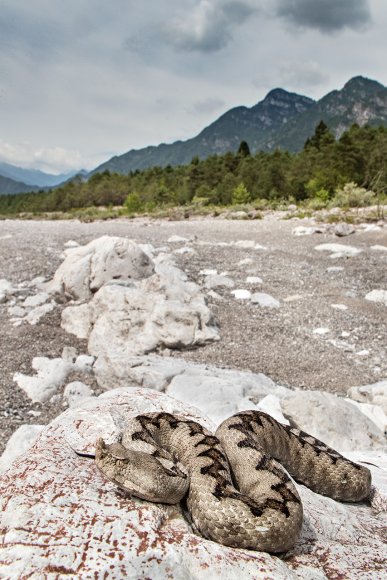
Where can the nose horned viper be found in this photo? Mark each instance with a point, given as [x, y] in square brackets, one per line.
[238, 493]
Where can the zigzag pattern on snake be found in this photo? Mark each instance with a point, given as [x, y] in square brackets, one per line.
[238, 493]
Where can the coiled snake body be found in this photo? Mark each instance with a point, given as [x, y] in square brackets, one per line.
[238, 493]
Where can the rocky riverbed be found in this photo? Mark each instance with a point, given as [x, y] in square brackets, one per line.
[204, 318]
[288, 303]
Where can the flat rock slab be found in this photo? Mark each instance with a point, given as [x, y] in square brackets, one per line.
[60, 516]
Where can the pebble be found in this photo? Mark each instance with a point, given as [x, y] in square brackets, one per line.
[241, 294]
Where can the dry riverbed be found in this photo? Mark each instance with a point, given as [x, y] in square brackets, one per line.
[323, 334]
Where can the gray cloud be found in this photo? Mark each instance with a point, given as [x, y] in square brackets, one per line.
[210, 105]
[210, 25]
[325, 15]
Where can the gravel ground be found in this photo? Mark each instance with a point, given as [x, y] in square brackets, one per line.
[278, 342]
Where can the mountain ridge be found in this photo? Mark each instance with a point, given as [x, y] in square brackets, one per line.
[283, 120]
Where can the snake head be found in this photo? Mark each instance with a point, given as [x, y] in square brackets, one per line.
[140, 473]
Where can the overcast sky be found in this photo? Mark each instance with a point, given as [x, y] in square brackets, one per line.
[82, 80]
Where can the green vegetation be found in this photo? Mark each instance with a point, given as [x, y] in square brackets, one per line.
[348, 172]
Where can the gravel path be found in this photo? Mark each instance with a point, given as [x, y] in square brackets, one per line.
[278, 342]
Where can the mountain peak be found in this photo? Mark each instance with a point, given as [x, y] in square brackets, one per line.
[362, 83]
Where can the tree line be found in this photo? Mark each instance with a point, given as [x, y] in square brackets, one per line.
[316, 173]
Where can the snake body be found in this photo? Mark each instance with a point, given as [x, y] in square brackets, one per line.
[238, 493]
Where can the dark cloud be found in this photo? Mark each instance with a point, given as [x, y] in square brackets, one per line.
[209, 27]
[325, 15]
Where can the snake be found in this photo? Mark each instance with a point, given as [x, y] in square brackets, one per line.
[236, 483]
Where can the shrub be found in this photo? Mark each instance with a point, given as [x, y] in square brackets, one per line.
[351, 195]
[240, 195]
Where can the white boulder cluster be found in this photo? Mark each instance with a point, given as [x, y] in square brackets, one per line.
[128, 301]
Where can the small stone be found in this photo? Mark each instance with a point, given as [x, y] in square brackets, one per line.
[339, 306]
[344, 229]
[254, 280]
[74, 393]
[218, 281]
[16, 311]
[177, 240]
[184, 250]
[338, 250]
[37, 300]
[265, 300]
[321, 330]
[241, 294]
[377, 296]
[245, 244]
[71, 244]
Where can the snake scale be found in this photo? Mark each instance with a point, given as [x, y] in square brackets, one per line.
[238, 493]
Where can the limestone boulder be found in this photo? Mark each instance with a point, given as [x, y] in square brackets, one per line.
[86, 269]
[334, 420]
[60, 516]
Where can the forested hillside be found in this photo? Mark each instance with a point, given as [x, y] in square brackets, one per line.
[316, 173]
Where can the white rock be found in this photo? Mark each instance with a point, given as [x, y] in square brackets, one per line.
[265, 300]
[375, 394]
[37, 313]
[304, 231]
[162, 310]
[339, 306]
[344, 229]
[16, 311]
[208, 272]
[218, 281]
[377, 296]
[19, 442]
[177, 240]
[184, 250]
[6, 290]
[333, 420]
[51, 374]
[245, 244]
[272, 406]
[86, 268]
[373, 412]
[254, 280]
[246, 262]
[335, 269]
[338, 250]
[37, 282]
[84, 363]
[131, 538]
[241, 294]
[71, 244]
[321, 330]
[37, 300]
[77, 320]
[75, 393]
[378, 248]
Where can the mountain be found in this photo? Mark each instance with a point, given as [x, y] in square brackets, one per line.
[362, 101]
[8, 185]
[33, 177]
[256, 125]
[281, 120]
